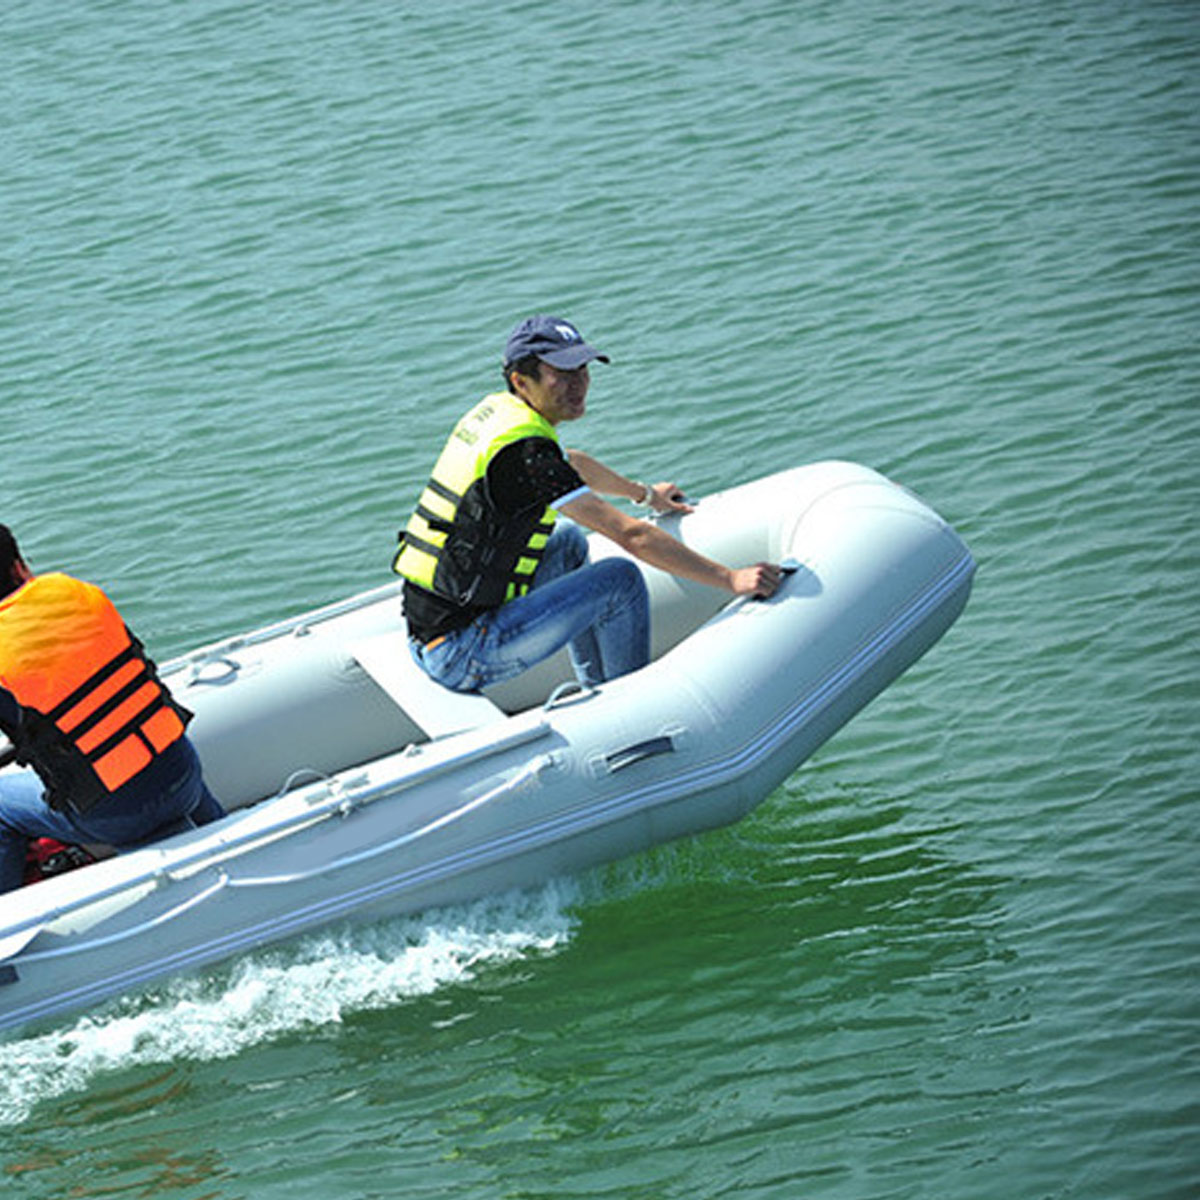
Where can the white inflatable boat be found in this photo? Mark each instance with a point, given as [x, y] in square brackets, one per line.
[359, 788]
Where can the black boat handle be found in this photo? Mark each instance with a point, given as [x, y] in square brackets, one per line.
[618, 760]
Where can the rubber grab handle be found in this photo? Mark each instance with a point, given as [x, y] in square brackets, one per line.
[618, 760]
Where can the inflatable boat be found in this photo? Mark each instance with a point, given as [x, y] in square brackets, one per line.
[359, 788]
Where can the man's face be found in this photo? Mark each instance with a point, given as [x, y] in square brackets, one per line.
[558, 394]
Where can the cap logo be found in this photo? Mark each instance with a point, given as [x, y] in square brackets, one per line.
[569, 333]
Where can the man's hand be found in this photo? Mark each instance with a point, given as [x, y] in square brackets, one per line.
[761, 580]
[667, 498]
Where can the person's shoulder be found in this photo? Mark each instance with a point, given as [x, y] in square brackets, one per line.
[56, 583]
[59, 588]
[528, 451]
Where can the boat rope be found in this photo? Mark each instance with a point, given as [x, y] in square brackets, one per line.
[219, 884]
[338, 800]
[526, 775]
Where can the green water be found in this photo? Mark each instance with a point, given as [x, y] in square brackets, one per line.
[257, 257]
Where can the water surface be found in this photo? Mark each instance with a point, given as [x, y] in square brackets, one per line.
[259, 257]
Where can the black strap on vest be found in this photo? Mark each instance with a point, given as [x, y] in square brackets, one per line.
[67, 771]
[433, 521]
[93, 681]
[440, 489]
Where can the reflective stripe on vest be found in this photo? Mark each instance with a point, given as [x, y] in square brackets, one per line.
[70, 662]
[492, 558]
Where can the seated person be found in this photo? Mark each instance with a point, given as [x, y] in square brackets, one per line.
[493, 584]
[83, 707]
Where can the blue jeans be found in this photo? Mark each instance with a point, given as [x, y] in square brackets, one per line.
[599, 611]
[168, 796]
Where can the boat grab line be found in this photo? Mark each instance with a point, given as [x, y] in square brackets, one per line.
[527, 773]
[336, 803]
[125, 934]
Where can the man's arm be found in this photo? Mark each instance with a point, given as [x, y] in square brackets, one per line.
[662, 497]
[658, 548]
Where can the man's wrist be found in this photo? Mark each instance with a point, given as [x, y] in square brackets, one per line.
[646, 499]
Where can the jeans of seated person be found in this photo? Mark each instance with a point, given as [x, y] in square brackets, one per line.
[599, 611]
[168, 796]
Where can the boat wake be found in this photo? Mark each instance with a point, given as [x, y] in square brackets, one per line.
[315, 981]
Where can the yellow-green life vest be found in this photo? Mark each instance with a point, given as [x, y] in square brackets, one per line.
[456, 544]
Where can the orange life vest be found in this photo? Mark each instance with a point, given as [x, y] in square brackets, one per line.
[93, 713]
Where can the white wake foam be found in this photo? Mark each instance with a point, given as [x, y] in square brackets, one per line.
[314, 981]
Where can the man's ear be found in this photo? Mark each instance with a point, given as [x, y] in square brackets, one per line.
[516, 384]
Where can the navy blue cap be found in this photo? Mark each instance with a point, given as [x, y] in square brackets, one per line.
[552, 340]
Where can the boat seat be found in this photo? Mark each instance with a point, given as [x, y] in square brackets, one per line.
[437, 710]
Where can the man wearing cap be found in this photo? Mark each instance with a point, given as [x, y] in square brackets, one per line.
[492, 584]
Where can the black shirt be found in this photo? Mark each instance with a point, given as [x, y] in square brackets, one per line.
[532, 472]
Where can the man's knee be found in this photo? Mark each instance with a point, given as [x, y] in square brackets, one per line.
[621, 577]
